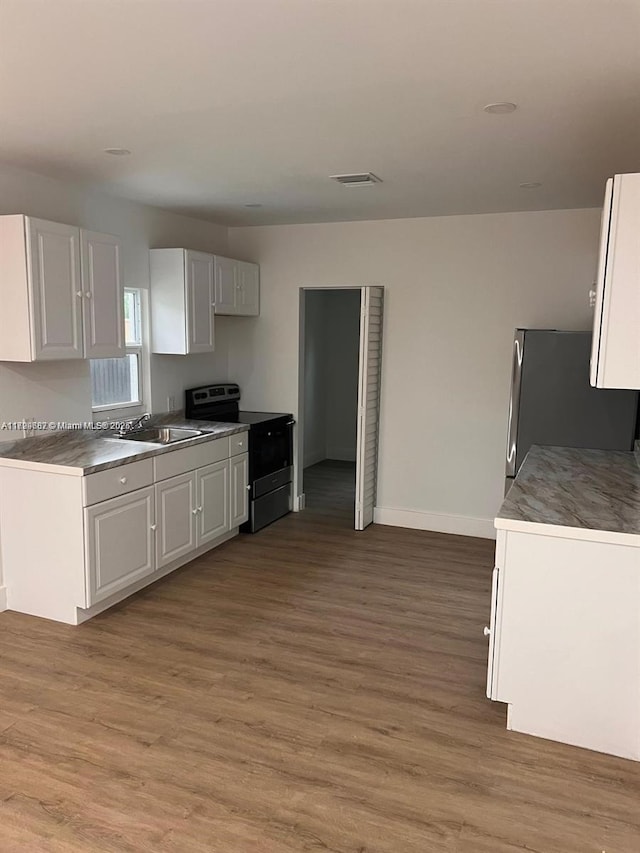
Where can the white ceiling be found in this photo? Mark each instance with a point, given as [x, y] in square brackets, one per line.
[229, 102]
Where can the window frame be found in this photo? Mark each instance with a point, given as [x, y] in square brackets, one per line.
[137, 349]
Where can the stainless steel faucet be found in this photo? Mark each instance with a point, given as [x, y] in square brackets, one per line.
[134, 425]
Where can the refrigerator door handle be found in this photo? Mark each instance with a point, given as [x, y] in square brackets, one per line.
[514, 402]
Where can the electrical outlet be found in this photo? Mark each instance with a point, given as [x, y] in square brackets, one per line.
[171, 403]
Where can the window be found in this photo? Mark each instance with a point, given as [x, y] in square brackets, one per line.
[117, 382]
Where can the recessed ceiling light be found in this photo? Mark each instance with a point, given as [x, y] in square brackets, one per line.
[253, 204]
[530, 185]
[117, 152]
[500, 108]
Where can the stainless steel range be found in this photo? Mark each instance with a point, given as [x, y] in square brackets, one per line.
[270, 448]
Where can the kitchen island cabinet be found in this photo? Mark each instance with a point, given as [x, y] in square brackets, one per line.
[564, 637]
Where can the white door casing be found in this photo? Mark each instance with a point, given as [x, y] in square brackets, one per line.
[369, 374]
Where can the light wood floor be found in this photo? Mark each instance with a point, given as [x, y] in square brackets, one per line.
[309, 688]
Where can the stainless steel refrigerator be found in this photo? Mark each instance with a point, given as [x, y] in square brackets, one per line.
[553, 403]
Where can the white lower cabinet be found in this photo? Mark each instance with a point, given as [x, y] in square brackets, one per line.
[213, 501]
[176, 512]
[200, 507]
[239, 499]
[120, 543]
[564, 638]
[103, 536]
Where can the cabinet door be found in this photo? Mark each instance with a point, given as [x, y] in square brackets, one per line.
[213, 501]
[492, 633]
[227, 285]
[176, 510]
[55, 290]
[199, 301]
[120, 543]
[249, 289]
[615, 357]
[103, 296]
[239, 476]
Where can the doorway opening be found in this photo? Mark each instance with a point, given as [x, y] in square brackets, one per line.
[339, 392]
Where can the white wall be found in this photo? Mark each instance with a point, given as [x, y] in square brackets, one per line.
[456, 287]
[62, 391]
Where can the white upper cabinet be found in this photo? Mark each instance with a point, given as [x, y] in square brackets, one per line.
[182, 297]
[226, 274]
[103, 300]
[200, 297]
[615, 355]
[56, 289]
[188, 288]
[249, 291]
[237, 287]
[61, 291]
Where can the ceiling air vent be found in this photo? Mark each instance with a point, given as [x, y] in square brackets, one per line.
[366, 179]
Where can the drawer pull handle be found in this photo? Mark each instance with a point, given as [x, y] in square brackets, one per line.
[241, 444]
[123, 480]
[195, 510]
[487, 631]
[154, 526]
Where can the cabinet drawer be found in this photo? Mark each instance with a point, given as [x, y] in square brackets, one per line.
[238, 443]
[190, 458]
[117, 481]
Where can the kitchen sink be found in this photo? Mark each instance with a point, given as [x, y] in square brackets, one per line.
[161, 435]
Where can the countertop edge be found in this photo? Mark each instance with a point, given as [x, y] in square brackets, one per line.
[559, 531]
[150, 450]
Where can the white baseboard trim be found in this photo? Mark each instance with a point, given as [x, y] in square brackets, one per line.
[461, 525]
[3, 598]
[299, 502]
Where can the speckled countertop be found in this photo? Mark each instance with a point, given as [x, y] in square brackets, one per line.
[83, 452]
[585, 489]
